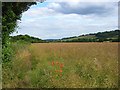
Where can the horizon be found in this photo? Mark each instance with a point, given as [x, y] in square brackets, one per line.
[57, 20]
[68, 37]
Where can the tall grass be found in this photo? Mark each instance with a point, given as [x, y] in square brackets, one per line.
[14, 70]
[86, 65]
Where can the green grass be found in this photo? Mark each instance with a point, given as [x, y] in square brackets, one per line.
[85, 65]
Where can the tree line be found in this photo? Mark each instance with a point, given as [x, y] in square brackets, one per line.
[26, 38]
[111, 36]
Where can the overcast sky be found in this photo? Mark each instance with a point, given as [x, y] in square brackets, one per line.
[55, 20]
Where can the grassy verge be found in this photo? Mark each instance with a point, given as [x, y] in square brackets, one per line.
[13, 72]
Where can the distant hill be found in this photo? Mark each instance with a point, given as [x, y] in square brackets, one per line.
[107, 36]
[111, 36]
[52, 40]
[26, 38]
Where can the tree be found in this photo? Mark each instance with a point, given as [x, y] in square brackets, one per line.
[11, 12]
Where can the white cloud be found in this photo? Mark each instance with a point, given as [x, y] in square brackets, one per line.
[45, 23]
[82, 1]
[83, 8]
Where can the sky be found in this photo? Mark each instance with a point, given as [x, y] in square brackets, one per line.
[56, 20]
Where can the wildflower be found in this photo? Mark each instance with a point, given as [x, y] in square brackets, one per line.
[60, 70]
[60, 74]
[53, 63]
[61, 65]
[57, 62]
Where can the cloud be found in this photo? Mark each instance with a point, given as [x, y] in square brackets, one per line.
[48, 22]
[82, 1]
[82, 8]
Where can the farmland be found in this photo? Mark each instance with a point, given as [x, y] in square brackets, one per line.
[63, 65]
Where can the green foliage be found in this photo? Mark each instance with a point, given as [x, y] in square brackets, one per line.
[11, 12]
[26, 38]
[107, 34]
[7, 52]
[13, 70]
[112, 36]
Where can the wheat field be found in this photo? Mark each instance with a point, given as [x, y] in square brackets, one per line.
[64, 65]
